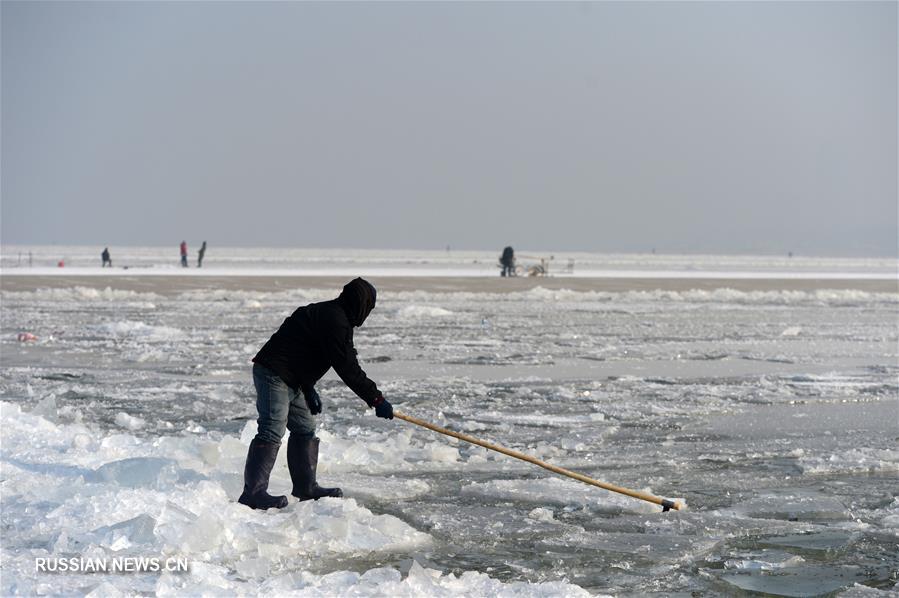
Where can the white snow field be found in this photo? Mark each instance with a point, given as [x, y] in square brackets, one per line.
[255, 261]
[773, 414]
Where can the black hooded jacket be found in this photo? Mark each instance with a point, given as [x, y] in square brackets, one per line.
[319, 336]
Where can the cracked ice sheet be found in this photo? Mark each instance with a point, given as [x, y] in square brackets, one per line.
[419, 581]
[70, 490]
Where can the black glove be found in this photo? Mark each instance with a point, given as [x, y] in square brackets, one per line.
[384, 409]
[313, 401]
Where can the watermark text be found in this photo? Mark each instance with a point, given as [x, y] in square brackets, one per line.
[118, 564]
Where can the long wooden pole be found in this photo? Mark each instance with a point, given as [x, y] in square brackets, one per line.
[664, 502]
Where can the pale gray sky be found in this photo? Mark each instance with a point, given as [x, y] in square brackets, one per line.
[691, 127]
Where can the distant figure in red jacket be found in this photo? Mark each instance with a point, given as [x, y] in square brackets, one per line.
[184, 254]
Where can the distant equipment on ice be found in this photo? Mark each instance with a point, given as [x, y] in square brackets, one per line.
[509, 265]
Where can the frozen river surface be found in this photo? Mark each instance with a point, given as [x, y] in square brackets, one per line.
[774, 415]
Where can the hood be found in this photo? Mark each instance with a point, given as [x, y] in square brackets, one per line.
[358, 299]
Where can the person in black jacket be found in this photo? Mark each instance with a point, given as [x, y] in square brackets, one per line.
[507, 260]
[312, 340]
[200, 255]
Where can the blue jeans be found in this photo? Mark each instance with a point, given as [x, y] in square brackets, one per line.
[280, 407]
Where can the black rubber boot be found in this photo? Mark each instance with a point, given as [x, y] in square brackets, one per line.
[260, 460]
[302, 461]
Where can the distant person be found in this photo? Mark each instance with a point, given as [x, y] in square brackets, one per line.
[184, 254]
[507, 261]
[106, 259]
[200, 255]
[312, 340]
